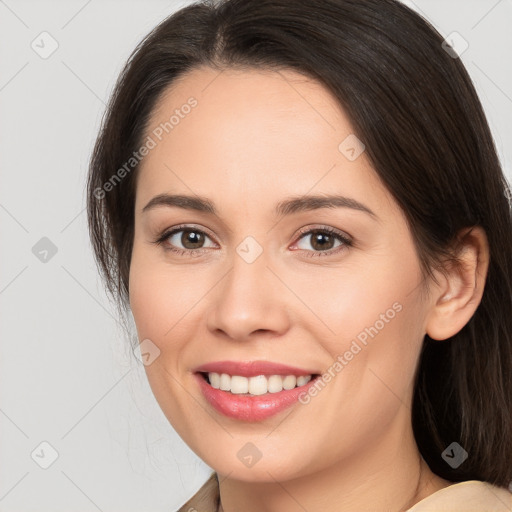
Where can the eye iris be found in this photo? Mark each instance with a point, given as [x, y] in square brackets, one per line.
[324, 240]
[192, 237]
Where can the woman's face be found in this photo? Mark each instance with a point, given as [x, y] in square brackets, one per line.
[250, 282]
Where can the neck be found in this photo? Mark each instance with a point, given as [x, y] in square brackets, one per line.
[389, 474]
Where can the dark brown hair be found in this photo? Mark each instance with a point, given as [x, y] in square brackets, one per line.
[415, 108]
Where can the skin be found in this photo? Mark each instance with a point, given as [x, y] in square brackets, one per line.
[255, 138]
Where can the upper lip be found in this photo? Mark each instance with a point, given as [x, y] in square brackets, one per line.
[252, 368]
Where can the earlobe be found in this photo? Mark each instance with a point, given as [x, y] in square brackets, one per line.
[462, 286]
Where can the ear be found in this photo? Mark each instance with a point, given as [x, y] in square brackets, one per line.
[461, 287]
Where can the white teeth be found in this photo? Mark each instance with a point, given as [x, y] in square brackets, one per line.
[258, 385]
[275, 383]
[239, 385]
[302, 380]
[289, 382]
[214, 380]
[225, 382]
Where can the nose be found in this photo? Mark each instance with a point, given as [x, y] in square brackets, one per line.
[249, 301]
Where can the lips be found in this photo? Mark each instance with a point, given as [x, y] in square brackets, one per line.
[253, 368]
[250, 407]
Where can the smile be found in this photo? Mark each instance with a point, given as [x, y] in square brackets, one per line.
[253, 397]
[255, 386]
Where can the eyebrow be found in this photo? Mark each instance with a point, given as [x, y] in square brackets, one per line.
[283, 208]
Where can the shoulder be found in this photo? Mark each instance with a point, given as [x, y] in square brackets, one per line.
[469, 496]
[206, 499]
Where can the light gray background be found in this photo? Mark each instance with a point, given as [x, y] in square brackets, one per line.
[67, 374]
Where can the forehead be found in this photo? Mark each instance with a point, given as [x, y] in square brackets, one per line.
[251, 132]
[285, 90]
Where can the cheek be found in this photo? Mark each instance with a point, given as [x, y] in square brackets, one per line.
[161, 303]
[375, 319]
[360, 300]
[161, 295]
[167, 302]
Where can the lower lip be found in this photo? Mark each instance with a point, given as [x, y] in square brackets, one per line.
[251, 408]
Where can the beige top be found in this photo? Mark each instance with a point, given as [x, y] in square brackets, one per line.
[469, 496]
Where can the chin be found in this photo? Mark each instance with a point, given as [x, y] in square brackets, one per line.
[259, 472]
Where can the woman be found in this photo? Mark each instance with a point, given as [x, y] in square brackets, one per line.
[301, 204]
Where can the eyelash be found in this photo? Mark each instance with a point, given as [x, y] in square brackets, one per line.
[346, 242]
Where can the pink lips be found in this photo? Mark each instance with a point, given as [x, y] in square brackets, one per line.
[253, 368]
[247, 407]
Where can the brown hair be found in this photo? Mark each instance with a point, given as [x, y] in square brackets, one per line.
[416, 110]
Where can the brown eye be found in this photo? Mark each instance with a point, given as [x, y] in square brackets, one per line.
[184, 240]
[192, 239]
[322, 241]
